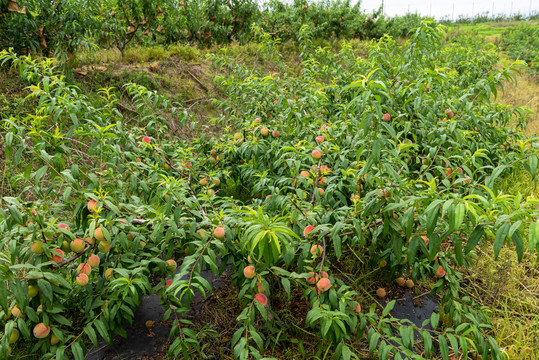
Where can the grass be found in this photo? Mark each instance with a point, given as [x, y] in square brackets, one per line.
[490, 30]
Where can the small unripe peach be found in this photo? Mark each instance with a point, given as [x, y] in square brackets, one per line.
[146, 139]
[219, 233]
[264, 131]
[448, 172]
[104, 246]
[323, 284]
[307, 230]
[84, 268]
[257, 120]
[275, 133]
[41, 331]
[54, 340]
[409, 283]
[89, 241]
[216, 181]
[98, 234]
[212, 159]
[381, 293]
[58, 256]
[386, 117]
[440, 272]
[108, 273]
[203, 182]
[82, 279]
[316, 154]
[383, 263]
[14, 336]
[32, 291]
[316, 250]
[305, 174]
[37, 247]
[319, 139]
[322, 181]
[249, 272]
[400, 281]
[65, 246]
[261, 298]
[172, 265]
[138, 160]
[39, 309]
[92, 205]
[259, 287]
[94, 260]
[213, 152]
[324, 274]
[321, 191]
[77, 245]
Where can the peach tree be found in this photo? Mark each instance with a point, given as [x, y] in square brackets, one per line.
[395, 158]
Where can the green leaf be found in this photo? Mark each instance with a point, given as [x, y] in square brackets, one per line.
[444, 348]
[499, 240]
[474, 238]
[388, 308]
[286, 285]
[77, 351]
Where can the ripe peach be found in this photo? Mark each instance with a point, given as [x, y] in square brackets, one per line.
[400, 281]
[321, 191]
[237, 136]
[14, 336]
[323, 284]
[32, 291]
[92, 205]
[210, 192]
[449, 113]
[82, 279]
[440, 272]
[94, 260]
[409, 283]
[383, 263]
[216, 181]
[146, 139]
[39, 309]
[58, 256]
[324, 274]
[77, 245]
[316, 250]
[307, 230]
[63, 226]
[355, 198]
[264, 131]
[316, 154]
[305, 174]
[386, 117]
[172, 265]
[89, 241]
[84, 268]
[319, 139]
[261, 298]
[212, 159]
[219, 233]
[381, 293]
[138, 160]
[213, 152]
[356, 307]
[104, 246]
[249, 272]
[168, 282]
[203, 182]
[322, 181]
[324, 170]
[258, 120]
[313, 279]
[98, 234]
[37, 247]
[41, 331]
[108, 273]
[54, 340]
[448, 172]
[275, 133]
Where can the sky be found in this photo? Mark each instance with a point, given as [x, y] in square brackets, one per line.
[444, 8]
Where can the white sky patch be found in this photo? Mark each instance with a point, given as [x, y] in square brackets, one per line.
[452, 8]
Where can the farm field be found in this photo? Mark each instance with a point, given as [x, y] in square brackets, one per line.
[335, 178]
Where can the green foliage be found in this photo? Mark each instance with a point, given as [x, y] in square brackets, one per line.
[521, 43]
[412, 158]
